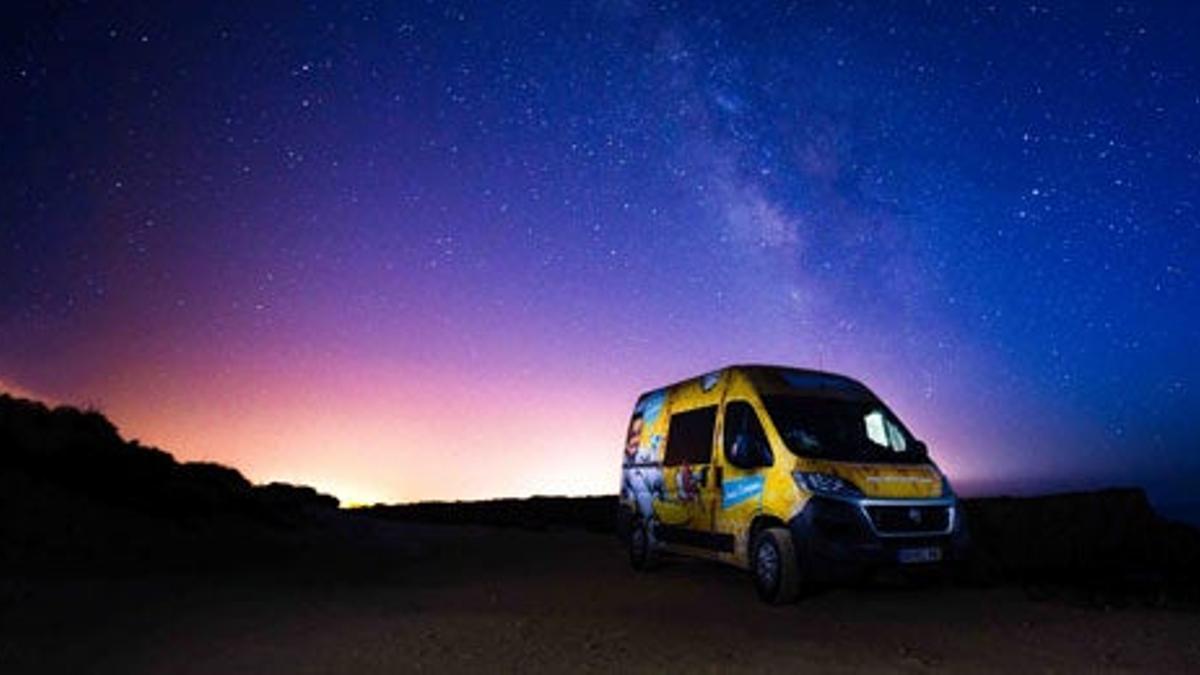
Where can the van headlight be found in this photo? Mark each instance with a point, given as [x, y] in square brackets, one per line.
[826, 484]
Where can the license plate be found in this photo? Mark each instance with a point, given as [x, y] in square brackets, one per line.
[920, 555]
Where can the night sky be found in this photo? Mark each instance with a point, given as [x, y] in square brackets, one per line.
[404, 251]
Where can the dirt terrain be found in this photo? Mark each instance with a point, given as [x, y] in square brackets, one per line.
[456, 598]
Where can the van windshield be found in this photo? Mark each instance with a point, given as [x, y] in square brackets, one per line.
[850, 431]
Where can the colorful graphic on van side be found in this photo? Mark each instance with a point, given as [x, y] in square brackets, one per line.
[738, 490]
[641, 479]
[688, 480]
[651, 406]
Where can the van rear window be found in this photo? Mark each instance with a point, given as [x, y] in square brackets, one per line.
[690, 437]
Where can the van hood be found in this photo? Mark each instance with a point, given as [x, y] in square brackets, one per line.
[887, 481]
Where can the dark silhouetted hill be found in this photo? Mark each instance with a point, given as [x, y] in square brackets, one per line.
[1101, 534]
[72, 491]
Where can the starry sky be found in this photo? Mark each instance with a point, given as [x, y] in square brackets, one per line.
[407, 251]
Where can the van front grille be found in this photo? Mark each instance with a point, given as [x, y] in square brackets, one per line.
[909, 519]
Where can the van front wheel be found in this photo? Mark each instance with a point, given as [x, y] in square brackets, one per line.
[773, 562]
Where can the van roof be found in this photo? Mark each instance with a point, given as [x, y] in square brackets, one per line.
[801, 378]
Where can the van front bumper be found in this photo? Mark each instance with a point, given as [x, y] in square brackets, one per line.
[843, 538]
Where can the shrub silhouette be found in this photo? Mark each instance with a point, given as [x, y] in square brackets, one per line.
[83, 452]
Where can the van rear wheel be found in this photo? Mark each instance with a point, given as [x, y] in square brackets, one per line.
[641, 550]
[775, 567]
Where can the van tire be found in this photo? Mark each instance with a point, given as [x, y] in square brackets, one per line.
[641, 550]
[775, 567]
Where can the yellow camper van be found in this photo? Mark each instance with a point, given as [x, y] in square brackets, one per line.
[798, 476]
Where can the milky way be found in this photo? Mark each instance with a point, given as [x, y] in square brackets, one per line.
[403, 252]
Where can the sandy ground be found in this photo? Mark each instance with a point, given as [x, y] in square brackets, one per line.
[480, 600]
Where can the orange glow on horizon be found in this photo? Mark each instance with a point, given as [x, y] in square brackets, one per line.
[386, 434]
[422, 436]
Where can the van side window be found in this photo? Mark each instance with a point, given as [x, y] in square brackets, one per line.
[690, 437]
[745, 443]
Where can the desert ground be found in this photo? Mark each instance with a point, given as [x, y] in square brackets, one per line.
[446, 598]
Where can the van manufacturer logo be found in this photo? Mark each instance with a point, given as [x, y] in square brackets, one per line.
[738, 490]
[914, 515]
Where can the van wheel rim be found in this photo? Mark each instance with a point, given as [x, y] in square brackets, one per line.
[766, 564]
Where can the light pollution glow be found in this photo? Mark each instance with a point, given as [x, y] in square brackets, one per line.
[438, 255]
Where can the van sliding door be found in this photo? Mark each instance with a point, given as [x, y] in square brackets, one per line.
[686, 516]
